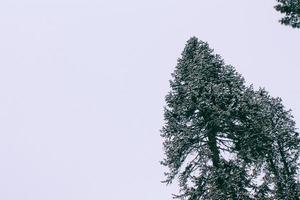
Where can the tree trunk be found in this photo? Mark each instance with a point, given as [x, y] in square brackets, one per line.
[215, 156]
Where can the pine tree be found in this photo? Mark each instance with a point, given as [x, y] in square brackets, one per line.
[282, 153]
[291, 9]
[201, 108]
[221, 137]
[269, 144]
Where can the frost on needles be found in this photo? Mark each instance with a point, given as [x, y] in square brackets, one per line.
[291, 11]
[224, 140]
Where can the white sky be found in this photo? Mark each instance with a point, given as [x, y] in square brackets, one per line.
[82, 86]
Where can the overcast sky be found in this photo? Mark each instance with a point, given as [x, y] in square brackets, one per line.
[82, 86]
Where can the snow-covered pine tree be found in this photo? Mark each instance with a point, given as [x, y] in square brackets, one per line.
[291, 9]
[223, 140]
[283, 150]
[268, 142]
[201, 108]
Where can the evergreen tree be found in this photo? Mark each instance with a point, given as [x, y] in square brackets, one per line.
[269, 144]
[201, 108]
[291, 9]
[282, 153]
[221, 137]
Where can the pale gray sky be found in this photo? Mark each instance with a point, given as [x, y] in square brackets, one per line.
[82, 86]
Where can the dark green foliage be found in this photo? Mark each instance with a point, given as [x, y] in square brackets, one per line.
[221, 136]
[291, 10]
[200, 109]
[283, 148]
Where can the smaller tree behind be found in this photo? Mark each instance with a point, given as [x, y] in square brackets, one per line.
[283, 151]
